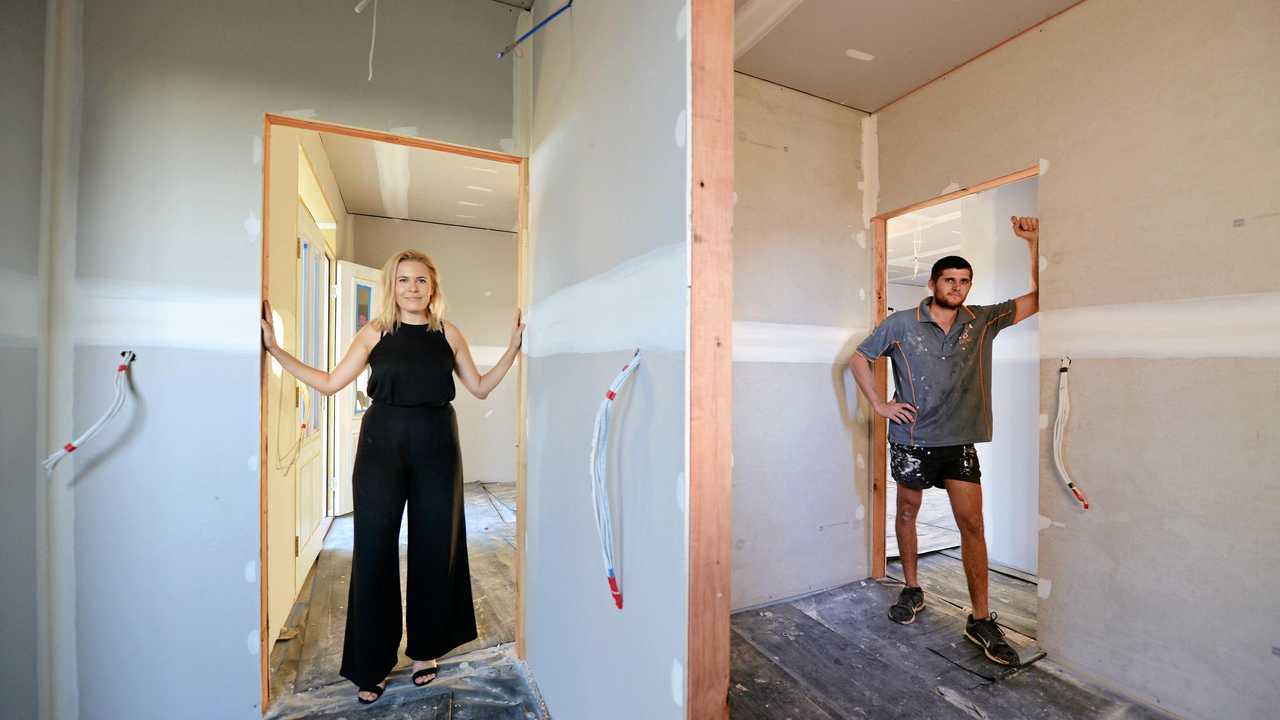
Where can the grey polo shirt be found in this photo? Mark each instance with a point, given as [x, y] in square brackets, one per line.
[946, 376]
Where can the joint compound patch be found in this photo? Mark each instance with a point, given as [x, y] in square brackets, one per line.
[253, 642]
[1045, 522]
[253, 226]
[1044, 166]
[257, 150]
[677, 682]
[862, 293]
[251, 571]
[1044, 421]
[1044, 263]
[1044, 587]
[860, 513]
[682, 128]
[862, 240]
[682, 23]
[411, 130]
[950, 188]
[862, 462]
[304, 113]
[735, 198]
[682, 491]
[253, 463]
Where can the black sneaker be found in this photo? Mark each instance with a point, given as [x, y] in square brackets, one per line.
[910, 602]
[989, 636]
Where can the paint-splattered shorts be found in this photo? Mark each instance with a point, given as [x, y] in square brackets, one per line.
[918, 467]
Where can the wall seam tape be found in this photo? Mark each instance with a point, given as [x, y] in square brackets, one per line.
[793, 343]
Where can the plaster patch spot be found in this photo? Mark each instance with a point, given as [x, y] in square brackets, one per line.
[488, 414]
[952, 187]
[508, 145]
[252, 464]
[1044, 588]
[862, 293]
[677, 682]
[251, 571]
[488, 293]
[304, 113]
[1044, 263]
[682, 128]
[1044, 421]
[860, 513]
[1045, 522]
[253, 642]
[682, 23]
[1044, 166]
[735, 198]
[859, 55]
[257, 150]
[682, 491]
[862, 240]
[862, 462]
[411, 130]
[253, 227]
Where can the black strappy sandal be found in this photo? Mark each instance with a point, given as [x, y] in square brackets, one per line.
[377, 691]
[434, 672]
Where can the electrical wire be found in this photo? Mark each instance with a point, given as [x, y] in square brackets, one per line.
[1060, 430]
[599, 468]
[117, 402]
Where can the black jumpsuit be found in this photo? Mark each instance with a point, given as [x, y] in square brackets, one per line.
[408, 450]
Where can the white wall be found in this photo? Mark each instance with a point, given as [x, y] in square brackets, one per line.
[22, 48]
[801, 288]
[478, 275]
[167, 259]
[608, 221]
[1011, 461]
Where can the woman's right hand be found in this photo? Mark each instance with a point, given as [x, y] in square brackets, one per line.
[901, 413]
[268, 330]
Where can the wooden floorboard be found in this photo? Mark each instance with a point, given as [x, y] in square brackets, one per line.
[849, 660]
[760, 690]
[942, 577]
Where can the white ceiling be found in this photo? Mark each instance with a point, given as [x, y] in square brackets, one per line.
[396, 181]
[912, 41]
[936, 228]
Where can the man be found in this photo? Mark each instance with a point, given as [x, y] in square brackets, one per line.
[941, 354]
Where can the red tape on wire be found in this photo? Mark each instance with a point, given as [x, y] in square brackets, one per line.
[69, 447]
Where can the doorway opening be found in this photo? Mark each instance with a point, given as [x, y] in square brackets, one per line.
[338, 202]
[972, 223]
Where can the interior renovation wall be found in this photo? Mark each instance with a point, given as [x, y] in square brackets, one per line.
[167, 259]
[478, 273]
[609, 234]
[803, 298]
[22, 49]
[1160, 205]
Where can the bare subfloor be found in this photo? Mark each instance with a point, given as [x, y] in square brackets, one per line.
[837, 655]
[481, 679]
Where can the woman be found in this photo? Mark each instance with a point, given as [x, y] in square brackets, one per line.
[408, 451]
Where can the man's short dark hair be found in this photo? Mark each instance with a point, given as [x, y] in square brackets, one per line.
[950, 262]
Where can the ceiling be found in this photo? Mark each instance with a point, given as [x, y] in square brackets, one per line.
[815, 48]
[937, 229]
[396, 181]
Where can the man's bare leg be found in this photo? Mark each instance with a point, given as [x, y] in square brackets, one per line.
[966, 504]
[904, 527]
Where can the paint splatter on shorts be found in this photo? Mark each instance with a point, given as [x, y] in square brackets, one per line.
[918, 467]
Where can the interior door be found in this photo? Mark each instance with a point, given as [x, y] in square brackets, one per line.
[313, 342]
[359, 290]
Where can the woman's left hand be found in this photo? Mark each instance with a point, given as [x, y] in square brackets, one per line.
[517, 331]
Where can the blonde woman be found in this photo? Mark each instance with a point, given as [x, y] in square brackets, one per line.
[408, 452]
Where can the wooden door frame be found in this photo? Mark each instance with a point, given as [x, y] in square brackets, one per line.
[879, 426]
[710, 358]
[271, 120]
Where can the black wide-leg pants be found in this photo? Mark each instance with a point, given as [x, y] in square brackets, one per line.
[407, 454]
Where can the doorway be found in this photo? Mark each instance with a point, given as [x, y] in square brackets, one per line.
[972, 223]
[341, 201]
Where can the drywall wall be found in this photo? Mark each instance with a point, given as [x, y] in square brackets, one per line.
[1011, 461]
[478, 273]
[800, 443]
[1162, 162]
[22, 49]
[608, 221]
[167, 254]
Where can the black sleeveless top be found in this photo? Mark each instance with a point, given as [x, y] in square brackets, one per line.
[412, 367]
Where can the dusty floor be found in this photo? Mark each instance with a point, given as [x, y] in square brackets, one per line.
[836, 655]
[481, 680]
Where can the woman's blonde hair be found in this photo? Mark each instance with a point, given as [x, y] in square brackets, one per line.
[389, 313]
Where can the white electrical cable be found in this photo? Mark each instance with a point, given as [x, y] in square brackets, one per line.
[1060, 430]
[117, 403]
[374, 39]
[599, 467]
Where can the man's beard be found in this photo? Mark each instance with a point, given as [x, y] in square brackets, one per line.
[943, 302]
